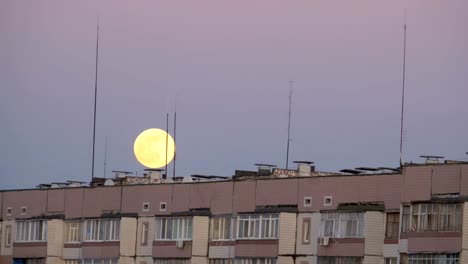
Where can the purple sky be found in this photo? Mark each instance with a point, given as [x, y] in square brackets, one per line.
[227, 64]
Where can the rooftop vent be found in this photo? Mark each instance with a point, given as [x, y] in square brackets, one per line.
[154, 174]
[304, 167]
[431, 159]
[264, 169]
[121, 174]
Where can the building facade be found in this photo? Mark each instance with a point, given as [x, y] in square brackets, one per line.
[417, 215]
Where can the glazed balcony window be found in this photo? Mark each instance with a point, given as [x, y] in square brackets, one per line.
[30, 231]
[102, 230]
[72, 232]
[221, 228]
[171, 261]
[255, 261]
[174, 228]
[342, 225]
[432, 217]
[434, 258]
[100, 261]
[257, 226]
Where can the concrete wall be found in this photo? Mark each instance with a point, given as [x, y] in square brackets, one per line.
[200, 236]
[287, 233]
[55, 237]
[128, 235]
[35, 202]
[145, 250]
[374, 231]
[311, 247]
[4, 250]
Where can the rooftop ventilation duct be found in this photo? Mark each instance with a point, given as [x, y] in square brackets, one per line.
[304, 167]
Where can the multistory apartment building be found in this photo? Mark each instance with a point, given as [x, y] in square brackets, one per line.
[418, 214]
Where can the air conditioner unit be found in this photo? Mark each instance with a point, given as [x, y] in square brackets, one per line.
[324, 241]
[180, 243]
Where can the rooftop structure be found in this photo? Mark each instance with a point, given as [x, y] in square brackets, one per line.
[413, 214]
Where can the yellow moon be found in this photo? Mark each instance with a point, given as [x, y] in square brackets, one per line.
[150, 148]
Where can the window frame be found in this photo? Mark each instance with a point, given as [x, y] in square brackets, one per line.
[390, 231]
[306, 230]
[223, 233]
[183, 230]
[31, 231]
[340, 223]
[73, 232]
[253, 226]
[92, 231]
[144, 233]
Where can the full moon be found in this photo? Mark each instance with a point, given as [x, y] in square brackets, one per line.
[150, 148]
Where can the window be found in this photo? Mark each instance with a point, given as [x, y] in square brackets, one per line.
[327, 201]
[35, 261]
[339, 260]
[31, 230]
[144, 233]
[221, 228]
[220, 261]
[100, 261]
[162, 206]
[307, 201]
[23, 210]
[434, 258]
[255, 261]
[342, 225]
[257, 226]
[7, 235]
[405, 218]
[102, 230]
[171, 261]
[174, 229]
[393, 222]
[390, 261]
[435, 217]
[306, 231]
[8, 211]
[72, 232]
[145, 207]
[72, 261]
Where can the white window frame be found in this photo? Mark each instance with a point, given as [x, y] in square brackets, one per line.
[8, 235]
[260, 226]
[31, 231]
[92, 230]
[222, 234]
[255, 261]
[340, 223]
[144, 234]
[100, 261]
[325, 200]
[436, 217]
[9, 211]
[73, 232]
[173, 229]
[307, 201]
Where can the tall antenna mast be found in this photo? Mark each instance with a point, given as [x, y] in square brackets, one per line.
[95, 96]
[105, 157]
[175, 129]
[289, 123]
[167, 140]
[403, 91]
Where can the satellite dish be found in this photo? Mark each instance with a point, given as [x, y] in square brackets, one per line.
[109, 182]
[187, 179]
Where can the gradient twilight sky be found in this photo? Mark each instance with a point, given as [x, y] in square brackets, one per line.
[227, 64]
